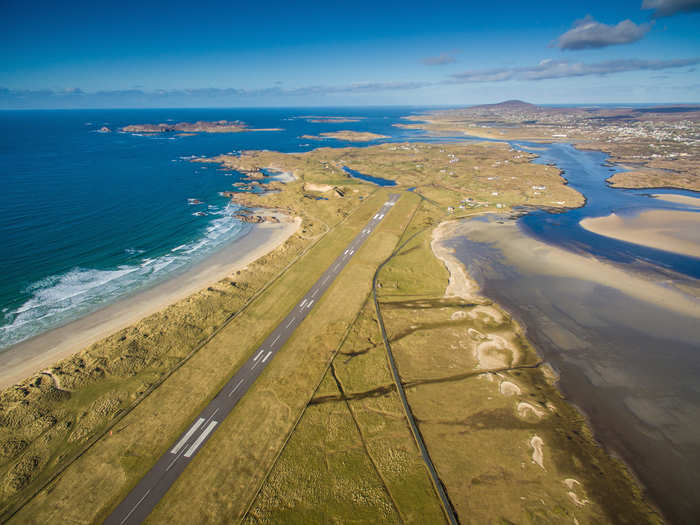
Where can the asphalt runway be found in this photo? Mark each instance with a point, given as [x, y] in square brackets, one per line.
[150, 490]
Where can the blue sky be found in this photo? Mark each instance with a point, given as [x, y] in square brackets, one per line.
[134, 54]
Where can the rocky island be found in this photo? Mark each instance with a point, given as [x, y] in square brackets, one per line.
[350, 136]
[218, 126]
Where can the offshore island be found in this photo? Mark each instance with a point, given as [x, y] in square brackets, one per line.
[80, 433]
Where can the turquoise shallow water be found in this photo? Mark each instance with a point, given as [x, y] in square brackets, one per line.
[89, 217]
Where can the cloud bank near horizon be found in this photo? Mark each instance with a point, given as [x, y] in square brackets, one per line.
[553, 69]
[545, 70]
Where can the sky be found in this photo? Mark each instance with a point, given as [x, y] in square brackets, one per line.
[208, 54]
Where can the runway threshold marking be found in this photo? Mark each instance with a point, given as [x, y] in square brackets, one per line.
[187, 436]
[201, 438]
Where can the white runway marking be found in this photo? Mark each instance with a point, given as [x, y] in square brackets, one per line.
[290, 322]
[276, 339]
[301, 304]
[201, 438]
[187, 436]
[257, 356]
[309, 305]
[134, 508]
[267, 357]
[235, 388]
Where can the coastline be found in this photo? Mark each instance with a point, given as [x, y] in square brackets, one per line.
[39, 352]
[597, 364]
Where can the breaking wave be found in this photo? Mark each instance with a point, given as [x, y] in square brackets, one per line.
[58, 299]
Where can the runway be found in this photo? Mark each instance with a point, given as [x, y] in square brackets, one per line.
[150, 490]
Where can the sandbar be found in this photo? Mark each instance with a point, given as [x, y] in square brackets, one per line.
[678, 199]
[668, 230]
[28, 357]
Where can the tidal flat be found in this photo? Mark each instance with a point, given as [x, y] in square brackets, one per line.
[624, 344]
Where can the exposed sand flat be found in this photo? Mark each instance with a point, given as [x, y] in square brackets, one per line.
[30, 356]
[679, 199]
[533, 256]
[668, 230]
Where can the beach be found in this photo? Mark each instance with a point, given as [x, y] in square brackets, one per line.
[33, 355]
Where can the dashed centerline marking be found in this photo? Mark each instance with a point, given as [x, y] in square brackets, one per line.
[267, 356]
[134, 508]
[276, 339]
[235, 388]
[291, 321]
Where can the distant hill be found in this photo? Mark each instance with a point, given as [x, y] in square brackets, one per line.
[509, 104]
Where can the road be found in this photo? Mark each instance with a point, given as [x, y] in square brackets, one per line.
[437, 482]
[150, 490]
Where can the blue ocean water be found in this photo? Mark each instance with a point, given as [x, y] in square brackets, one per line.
[90, 217]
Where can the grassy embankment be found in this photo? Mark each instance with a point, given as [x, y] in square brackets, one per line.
[51, 418]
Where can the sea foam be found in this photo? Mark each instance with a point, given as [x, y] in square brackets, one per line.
[58, 299]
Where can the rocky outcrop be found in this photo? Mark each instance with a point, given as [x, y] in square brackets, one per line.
[256, 219]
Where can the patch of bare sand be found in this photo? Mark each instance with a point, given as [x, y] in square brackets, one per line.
[537, 450]
[507, 388]
[668, 230]
[495, 352]
[25, 358]
[678, 199]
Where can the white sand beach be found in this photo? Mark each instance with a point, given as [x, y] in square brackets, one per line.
[27, 357]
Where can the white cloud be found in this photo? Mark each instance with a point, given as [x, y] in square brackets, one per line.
[588, 34]
[671, 7]
[439, 60]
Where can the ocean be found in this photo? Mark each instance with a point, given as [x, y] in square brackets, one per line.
[89, 217]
